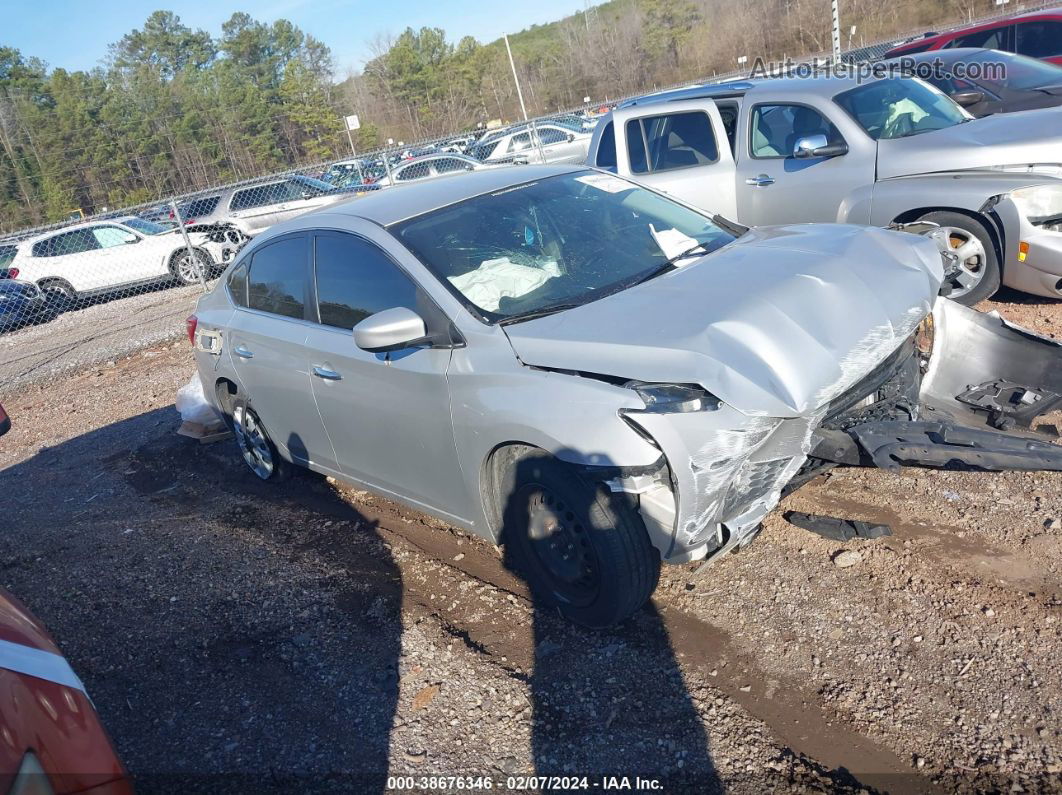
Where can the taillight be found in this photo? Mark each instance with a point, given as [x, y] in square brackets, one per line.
[189, 221]
[190, 323]
[12, 273]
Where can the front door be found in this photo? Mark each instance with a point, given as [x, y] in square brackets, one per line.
[388, 414]
[267, 348]
[774, 187]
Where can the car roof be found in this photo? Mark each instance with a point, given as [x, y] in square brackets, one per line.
[994, 23]
[818, 85]
[387, 207]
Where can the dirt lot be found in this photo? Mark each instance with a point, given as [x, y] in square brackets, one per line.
[239, 637]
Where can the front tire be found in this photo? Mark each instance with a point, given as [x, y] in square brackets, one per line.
[255, 446]
[978, 274]
[191, 267]
[582, 549]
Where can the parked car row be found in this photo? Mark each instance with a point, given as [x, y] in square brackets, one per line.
[884, 152]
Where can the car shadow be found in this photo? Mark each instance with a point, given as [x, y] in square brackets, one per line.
[231, 640]
[253, 631]
[609, 702]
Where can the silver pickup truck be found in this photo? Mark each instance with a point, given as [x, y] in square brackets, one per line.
[875, 152]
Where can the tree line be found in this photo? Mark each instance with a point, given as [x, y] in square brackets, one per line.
[173, 110]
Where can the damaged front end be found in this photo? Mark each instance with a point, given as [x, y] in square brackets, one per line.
[965, 390]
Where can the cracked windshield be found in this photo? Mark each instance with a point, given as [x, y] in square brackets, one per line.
[562, 241]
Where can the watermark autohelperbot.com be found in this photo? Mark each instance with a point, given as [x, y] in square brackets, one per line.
[934, 69]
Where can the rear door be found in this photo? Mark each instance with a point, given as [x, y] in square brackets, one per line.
[388, 414]
[267, 337]
[679, 148]
[774, 187]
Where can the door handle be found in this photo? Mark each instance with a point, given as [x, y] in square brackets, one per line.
[242, 352]
[761, 181]
[326, 374]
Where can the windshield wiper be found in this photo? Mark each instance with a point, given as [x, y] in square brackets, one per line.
[533, 313]
[671, 263]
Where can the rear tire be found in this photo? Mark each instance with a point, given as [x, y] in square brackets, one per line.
[256, 448]
[979, 274]
[59, 297]
[582, 549]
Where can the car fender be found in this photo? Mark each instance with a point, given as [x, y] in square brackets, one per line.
[574, 417]
[907, 198]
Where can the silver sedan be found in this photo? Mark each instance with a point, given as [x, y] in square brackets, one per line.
[590, 373]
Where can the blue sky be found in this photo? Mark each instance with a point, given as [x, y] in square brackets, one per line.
[75, 34]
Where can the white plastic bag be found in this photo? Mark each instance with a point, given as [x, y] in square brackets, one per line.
[192, 404]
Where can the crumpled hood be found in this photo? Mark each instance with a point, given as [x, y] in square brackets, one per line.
[777, 323]
[1029, 137]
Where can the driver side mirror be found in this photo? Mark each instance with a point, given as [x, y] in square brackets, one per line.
[390, 330]
[130, 238]
[571, 137]
[307, 195]
[967, 98]
[817, 146]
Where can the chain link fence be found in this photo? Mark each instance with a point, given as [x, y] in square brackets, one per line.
[119, 268]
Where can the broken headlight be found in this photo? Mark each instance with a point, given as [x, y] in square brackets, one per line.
[674, 398]
[1038, 203]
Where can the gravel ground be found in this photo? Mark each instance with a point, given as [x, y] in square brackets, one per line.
[94, 335]
[240, 637]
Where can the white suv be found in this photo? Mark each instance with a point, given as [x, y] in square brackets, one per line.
[79, 262]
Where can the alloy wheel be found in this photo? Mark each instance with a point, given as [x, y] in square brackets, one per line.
[253, 443]
[970, 257]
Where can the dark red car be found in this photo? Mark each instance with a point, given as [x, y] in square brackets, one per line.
[1037, 35]
[51, 739]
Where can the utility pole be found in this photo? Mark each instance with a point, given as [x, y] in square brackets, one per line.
[836, 32]
[352, 124]
[516, 79]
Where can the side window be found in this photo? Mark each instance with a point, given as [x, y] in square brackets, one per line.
[411, 172]
[277, 281]
[777, 128]
[242, 199]
[671, 141]
[551, 135]
[992, 39]
[448, 165]
[238, 285]
[636, 147]
[109, 236]
[76, 242]
[356, 279]
[1040, 39]
[606, 148]
[520, 142]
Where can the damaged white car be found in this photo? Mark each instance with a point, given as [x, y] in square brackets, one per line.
[601, 378]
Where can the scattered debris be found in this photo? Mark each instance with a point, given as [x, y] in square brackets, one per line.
[847, 558]
[837, 529]
[425, 696]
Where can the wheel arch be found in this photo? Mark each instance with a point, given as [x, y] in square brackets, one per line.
[989, 220]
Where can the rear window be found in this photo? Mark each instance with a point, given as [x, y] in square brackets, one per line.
[277, 282]
[7, 254]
